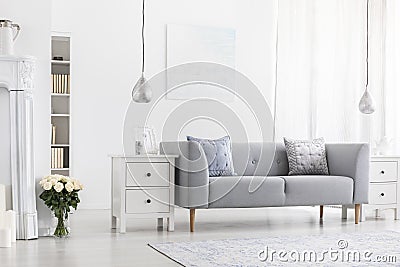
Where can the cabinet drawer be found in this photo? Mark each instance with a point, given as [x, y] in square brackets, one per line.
[149, 201]
[147, 174]
[382, 193]
[383, 171]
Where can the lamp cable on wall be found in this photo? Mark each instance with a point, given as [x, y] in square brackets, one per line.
[367, 103]
[141, 92]
[276, 70]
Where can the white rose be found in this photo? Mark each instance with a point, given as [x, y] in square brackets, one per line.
[77, 186]
[81, 186]
[53, 181]
[47, 186]
[69, 187]
[59, 187]
[45, 179]
[64, 179]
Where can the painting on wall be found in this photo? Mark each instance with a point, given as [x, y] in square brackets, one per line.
[189, 44]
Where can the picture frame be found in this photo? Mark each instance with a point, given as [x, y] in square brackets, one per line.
[145, 142]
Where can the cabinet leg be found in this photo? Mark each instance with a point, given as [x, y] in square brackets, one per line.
[377, 213]
[396, 214]
[171, 224]
[160, 223]
[321, 212]
[122, 225]
[362, 213]
[344, 212]
[113, 222]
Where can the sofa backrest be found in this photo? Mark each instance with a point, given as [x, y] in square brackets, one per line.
[259, 159]
[262, 159]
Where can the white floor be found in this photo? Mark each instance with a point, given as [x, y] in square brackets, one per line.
[92, 243]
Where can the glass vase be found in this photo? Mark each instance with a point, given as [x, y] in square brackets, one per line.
[62, 228]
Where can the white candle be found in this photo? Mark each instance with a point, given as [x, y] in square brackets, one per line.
[5, 238]
[10, 223]
[2, 197]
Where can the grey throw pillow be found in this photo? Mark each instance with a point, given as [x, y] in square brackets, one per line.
[306, 157]
[218, 153]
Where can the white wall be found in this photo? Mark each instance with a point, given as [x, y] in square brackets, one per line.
[34, 40]
[106, 57]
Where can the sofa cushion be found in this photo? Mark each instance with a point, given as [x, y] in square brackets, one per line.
[246, 192]
[306, 157]
[318, 190]
[218, 153]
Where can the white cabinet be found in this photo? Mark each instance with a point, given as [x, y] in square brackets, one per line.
[383, 171]
[147, 174]
[142, 187]
[381, 194]
[154, 200]
[384, 191]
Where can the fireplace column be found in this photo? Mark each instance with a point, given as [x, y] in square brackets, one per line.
[16, 75]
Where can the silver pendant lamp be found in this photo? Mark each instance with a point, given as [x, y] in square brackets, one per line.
[367, 103]
[141, 92]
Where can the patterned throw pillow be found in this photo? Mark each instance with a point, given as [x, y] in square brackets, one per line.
[306, 157]
[218, 153]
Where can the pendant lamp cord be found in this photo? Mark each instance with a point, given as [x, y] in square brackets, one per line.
[276, 69]
[384, 25]
[143, 37]
[367, 56]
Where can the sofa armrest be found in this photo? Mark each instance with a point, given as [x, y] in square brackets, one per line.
[351, 160]
[191, 173]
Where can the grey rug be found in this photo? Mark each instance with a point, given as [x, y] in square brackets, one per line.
[356, 249]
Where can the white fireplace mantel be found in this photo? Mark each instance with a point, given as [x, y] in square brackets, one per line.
[16, 76]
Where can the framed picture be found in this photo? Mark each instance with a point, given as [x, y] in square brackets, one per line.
[145, 142]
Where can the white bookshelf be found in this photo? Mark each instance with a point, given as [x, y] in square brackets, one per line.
[60, 95]
[60, 103]
[60, 115]
[60, 62]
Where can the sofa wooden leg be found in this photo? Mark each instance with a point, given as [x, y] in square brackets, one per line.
[357, 213]
[321, 212]
[192, 218]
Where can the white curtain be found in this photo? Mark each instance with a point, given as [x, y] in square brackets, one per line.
[321, 69]
[386, 72]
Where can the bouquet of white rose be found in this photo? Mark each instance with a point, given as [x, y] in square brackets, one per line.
[60, 193]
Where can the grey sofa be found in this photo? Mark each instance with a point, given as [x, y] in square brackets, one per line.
[261, 178]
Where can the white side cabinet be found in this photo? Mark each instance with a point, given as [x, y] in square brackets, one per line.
[142, 187]
[384, 189]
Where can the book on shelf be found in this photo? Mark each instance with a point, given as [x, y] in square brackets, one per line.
[57, 160]
[52, 158]
[61, 157]
[60, 83]
[68, 84]
[57, 157]
[53, 134]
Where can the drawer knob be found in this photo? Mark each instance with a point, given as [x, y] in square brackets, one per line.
[148, 174]
[382, 194]
[148, 201]
[382, 172]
